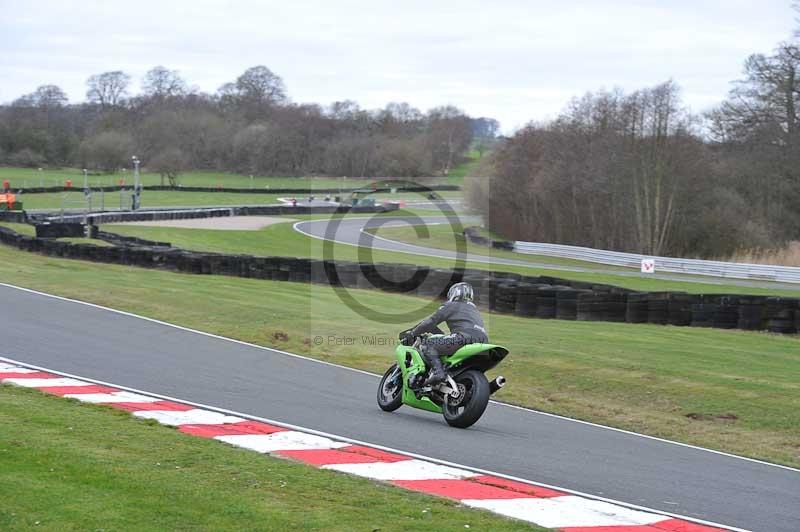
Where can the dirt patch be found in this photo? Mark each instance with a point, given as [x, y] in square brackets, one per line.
[224, 223]
[280, 336]
[712, 417]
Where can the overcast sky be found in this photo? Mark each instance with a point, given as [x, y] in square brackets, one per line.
[514, 60]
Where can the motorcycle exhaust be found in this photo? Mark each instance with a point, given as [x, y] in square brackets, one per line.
[496, 384]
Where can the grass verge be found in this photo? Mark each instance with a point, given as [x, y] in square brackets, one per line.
[729, 390]
[23, 229]
[71, 466]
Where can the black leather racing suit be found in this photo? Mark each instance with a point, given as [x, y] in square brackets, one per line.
[465, 324]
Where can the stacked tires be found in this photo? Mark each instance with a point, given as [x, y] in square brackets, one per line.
[505, 299]
[751, 313]
[602, 306]
[567, 303]
[781, 315]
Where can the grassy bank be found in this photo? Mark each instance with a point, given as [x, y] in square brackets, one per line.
[282, 240]
[71, 466]
[730, 390]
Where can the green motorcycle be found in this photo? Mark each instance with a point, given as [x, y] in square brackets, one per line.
[462, 397]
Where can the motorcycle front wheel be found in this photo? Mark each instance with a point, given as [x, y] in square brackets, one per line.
[390, 390]
[463, 411]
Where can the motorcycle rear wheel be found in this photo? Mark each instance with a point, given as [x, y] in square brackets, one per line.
[390, 389]
[466, 410]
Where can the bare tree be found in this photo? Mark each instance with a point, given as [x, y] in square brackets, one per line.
[161, 82]
[758, 129]
[767, 98]
[108, 89]
[49, 96]
[613, 171]
[450, 133]
[170, 163]
[260, 84]
[108, 151]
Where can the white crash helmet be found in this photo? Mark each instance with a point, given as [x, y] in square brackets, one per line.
[460, 292]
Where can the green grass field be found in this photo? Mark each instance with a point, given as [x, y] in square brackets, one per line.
[172, 198]
[457, 174]
[150, 198]
[23, 229]
[71, 466]
[729, 390]
[31, 177]
[282, 240]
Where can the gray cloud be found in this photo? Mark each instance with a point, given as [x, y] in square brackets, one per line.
[513, 60]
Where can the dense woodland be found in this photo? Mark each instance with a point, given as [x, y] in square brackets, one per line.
[249, 126]
[638, 172]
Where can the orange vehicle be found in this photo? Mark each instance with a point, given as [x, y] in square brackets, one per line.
[8, 202]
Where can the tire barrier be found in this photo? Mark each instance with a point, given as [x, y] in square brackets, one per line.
[507, 293]
[505, 299]
[751, 313]
[60, 230]
[18, 217]
[602, 306]
[780, 314]
[726, 315]
[315, 191]
[567, 303]
[472, 234]
[636, 310]
[120, 240]
[546, 301]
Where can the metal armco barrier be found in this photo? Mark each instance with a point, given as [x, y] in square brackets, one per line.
[733, 270]
[177, 214]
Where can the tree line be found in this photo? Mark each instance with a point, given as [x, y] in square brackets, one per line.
[638, 172]
[248, 126]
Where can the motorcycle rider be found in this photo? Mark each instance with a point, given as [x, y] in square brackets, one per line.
[465, 324]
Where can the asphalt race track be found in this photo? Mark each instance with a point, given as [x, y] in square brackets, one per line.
[129, 351]
[350, 232]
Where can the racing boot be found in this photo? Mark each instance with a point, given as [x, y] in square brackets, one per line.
[437, 375]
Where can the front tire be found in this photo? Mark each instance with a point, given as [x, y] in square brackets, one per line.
[465, 411]
[390, 389]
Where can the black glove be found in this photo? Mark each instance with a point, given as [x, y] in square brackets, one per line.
[406, 337]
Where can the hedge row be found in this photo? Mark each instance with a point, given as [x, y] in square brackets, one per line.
[539, 297]
[315, 191]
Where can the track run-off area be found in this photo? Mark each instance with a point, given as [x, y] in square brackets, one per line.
[110, 346]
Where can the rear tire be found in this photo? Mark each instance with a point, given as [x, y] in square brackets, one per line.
[390, 389]
[466, 412]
